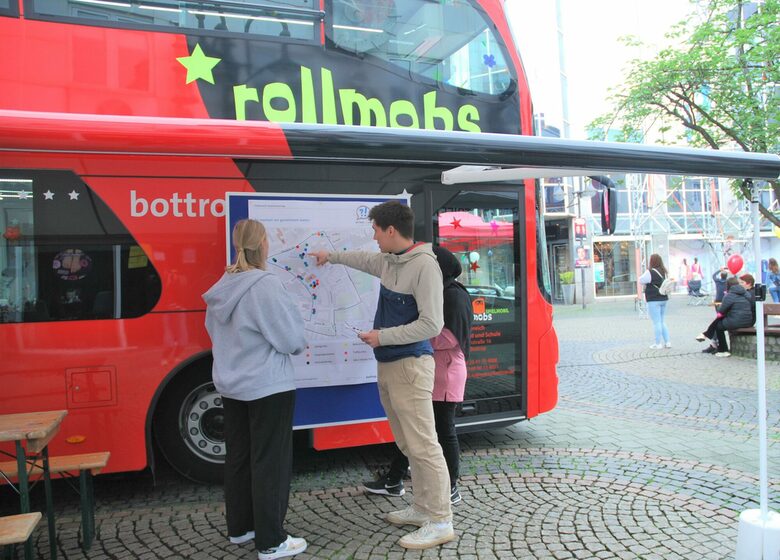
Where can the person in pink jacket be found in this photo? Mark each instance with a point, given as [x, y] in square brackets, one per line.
[450, 353]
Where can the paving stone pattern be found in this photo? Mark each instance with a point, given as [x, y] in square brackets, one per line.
[649, 454]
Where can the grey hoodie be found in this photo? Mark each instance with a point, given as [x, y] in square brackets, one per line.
[254, 327]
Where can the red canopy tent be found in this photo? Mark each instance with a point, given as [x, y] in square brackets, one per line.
[462, 231]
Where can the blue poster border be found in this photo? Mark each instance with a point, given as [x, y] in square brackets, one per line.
[317, 406]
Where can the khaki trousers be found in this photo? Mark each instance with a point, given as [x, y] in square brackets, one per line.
[405, 389]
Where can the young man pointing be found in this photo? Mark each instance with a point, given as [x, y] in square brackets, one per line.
[408, 315]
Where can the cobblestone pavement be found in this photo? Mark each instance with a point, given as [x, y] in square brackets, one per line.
[650, 454]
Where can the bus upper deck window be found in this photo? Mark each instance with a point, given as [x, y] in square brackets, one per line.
[445, 42]
[296, 19]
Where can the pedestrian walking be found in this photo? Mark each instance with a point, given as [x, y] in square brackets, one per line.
[409, 313]
[254, 328]
[653, 278]
[450, 354]
[773, 280]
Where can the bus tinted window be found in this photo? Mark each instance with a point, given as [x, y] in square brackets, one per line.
[64, 255]
[291, 18]
[447, 42]
[7, 8]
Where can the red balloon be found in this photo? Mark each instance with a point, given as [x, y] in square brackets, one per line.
[735, 263]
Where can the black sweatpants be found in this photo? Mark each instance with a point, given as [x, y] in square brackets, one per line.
[718, 331]
[258, 466]
[444, 416]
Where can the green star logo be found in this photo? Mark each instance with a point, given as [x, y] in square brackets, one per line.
[198, 65]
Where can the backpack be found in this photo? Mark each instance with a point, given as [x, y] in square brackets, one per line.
[667, 285]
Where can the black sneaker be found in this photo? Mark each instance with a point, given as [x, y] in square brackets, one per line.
[455, 495]
[710, 350]
[385, 486]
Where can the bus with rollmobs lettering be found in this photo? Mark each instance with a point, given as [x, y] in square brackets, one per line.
[124, 123]
[123, 126]
[113, 227]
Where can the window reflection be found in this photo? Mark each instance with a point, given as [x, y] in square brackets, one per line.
[447, 42]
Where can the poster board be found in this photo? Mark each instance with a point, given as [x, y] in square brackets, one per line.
[336, 374]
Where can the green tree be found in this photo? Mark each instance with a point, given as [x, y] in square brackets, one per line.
[719, 84]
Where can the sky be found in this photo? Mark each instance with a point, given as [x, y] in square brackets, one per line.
[594, 58]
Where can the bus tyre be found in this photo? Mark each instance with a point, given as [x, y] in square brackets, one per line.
[189, 425]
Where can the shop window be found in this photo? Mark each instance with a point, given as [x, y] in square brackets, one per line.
[613, 268]
[64, 256]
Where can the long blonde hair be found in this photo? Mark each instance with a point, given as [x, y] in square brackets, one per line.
[249, 242]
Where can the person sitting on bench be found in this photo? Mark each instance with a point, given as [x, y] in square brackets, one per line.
[734, 312]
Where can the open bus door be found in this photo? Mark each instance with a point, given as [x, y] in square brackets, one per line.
[483, 228]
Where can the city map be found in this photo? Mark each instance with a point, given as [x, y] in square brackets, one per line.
[335, 301]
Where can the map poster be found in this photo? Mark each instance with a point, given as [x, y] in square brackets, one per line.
[335, 301]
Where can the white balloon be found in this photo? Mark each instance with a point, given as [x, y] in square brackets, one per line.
[473, 256]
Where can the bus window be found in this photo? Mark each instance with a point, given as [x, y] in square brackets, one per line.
[481, 229]
[294, 18]
[8, 8]
[445, 42]
[64, 256]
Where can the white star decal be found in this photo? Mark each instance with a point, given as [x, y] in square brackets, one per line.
[23, 195]
[48, 195]
[73, 195]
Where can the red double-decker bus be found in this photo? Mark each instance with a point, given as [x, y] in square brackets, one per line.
[125, 122]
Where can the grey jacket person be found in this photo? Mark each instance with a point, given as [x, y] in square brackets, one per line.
[254, 327]
[737, 309]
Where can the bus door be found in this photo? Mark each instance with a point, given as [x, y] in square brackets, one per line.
[482, 227]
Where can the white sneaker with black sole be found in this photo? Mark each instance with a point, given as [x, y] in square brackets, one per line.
[246, 537]
[289, 547]
[385, 487]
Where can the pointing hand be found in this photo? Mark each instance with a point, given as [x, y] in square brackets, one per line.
[321, 256]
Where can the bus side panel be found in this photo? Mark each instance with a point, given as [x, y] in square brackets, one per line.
[541, 347]
[95, 70]
[351, 435]
[103, 372]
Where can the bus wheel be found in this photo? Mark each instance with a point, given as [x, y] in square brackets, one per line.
[189, 425]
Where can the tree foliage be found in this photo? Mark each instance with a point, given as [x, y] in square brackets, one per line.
[718, 87]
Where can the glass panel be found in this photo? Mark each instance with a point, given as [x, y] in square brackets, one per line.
[483, 240]
[613, 268]
[448, 42]
[555, 195]
[293, 18]
[64, 255]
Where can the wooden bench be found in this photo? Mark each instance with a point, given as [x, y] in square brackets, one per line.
[86, 465]
[743, 339]
[16, 529]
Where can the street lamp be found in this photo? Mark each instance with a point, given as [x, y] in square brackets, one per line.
[586, 191]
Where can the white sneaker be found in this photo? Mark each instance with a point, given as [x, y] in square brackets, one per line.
[700, 337]
[246, 537]
[722, 354]
[290, 547]
[408, 516]
[429, 535]
[656, 346]
[668, 345]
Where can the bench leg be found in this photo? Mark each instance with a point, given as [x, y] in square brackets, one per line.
[8, 552]
[87, 509]
[24, 492]
[49, 504]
